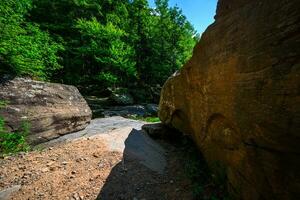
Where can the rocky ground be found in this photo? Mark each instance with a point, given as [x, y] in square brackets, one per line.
[111, 159]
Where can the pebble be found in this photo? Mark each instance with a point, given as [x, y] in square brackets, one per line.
[52, 168]
[41, 194]
[79, 159]
[49, 164]
[44, 170]
[64, 163]
[101, 165]
[27, 173]
[76, 196]
[96, 155]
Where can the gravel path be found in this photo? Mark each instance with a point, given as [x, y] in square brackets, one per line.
[111, 159]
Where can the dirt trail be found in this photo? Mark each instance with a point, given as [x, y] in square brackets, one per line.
[112, 159]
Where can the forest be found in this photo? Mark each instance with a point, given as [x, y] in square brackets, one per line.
[109, 99]
[94, 44]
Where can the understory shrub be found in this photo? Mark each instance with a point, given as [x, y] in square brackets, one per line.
[13, 142]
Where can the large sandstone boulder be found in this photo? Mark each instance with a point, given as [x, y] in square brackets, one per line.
[238, 97]
[51, 109]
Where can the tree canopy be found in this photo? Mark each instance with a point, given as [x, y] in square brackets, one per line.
[105, 43]
[24, 48]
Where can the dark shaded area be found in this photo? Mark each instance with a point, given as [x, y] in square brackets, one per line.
[186, 176]
[4, 78]
[131, 179]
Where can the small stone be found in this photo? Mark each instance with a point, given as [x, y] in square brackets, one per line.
[41, 194]
[171, 181]
[101, 165]
[79, 159]
[49, 164]
[64, 163]
[76, 196]
[52, 168]
[73, 172]
[46, 169]
[96, 155]
[27, 173]
[72, 176]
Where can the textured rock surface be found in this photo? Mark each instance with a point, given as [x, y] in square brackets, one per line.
[51, 109]
[158, 130]
[238, 97]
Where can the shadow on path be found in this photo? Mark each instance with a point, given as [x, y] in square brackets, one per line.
[143, 173]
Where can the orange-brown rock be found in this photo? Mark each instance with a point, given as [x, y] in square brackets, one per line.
[51, 109]
[238, 97]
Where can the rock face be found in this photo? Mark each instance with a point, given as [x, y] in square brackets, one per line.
[238, 97]
[51, 109]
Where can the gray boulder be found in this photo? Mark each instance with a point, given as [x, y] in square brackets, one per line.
[51, 109]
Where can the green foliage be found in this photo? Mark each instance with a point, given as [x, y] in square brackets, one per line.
[163, 40]
[108, 54]
[146, 119]
[24, 48]
[120, 43]
[3, 104]
[152, 119]
[108, 78]
[13, 142]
